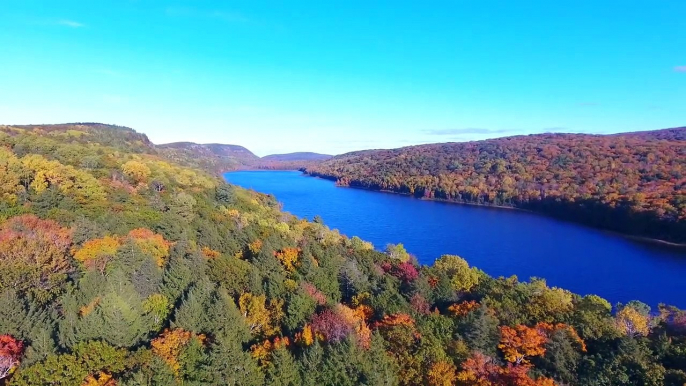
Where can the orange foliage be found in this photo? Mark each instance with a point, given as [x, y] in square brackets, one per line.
[151, 243]
[255, 247]
[96, 253]
[169, 344]
[40, 248]
[210, 253]
[480, 370]
[582, 175]
[548, 329]
[262, 352]
[521, 342]
[462, 309]
[399, 319]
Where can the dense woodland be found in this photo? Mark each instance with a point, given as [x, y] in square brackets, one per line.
[119, 266]
[633, 183]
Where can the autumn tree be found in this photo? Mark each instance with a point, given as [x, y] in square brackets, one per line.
[261, 317]
[630, 321]
[169, 344]
[34, 256]
[461, 276]
[137, 171]
[10, 354]
[97, 253]
[152, 244]
[521, 342]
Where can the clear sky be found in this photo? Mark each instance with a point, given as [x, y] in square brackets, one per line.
[335, 76]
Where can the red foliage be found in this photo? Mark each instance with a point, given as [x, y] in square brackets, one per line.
[405, 272]
[10, 353]
[331, 325]
[420, 304]
[314, 293]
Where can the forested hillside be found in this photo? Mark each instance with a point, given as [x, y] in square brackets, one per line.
[215, 157]
[633, 183]
[119, 266]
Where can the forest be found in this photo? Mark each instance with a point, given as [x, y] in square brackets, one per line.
[121, 266]
[632, 183]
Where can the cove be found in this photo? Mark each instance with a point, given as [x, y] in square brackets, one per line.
[501, 242]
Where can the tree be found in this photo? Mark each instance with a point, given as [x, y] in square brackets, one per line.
[262, 319]
[397, 252]
[632, 322]
[34, 256]
[152, 244]
[10, 354]
[462, 278]
[169, 344]
[522, 342]
[97, 253]
[441, 373]
[137, 171]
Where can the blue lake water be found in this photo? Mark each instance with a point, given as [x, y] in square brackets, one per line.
[499, 241]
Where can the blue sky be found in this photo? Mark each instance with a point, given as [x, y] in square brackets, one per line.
[336, 76]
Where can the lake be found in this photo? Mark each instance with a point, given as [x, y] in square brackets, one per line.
[501, 242]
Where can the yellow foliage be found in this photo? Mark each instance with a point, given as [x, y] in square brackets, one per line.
[260, 319]
[306, 337]
[462, 277]
[96, 252]
[168, 346]
[101, 379]
[631, 322]
[442, 373]
[288, 257]
[137, 171]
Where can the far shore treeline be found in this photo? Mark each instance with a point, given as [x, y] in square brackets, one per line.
[632, 183]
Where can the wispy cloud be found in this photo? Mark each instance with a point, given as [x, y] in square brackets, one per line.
[70, 23]
[464, 131]
[680, 68]
[221, 15]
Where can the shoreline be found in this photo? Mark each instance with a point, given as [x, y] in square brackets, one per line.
[640, 239]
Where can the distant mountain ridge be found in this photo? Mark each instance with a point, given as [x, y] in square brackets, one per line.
[298, 156]
[212, 157]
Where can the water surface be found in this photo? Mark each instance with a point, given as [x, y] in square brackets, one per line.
[501, 242]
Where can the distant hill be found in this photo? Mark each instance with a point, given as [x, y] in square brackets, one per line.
[301, 156]
[292, 161]
[215, 157]
[634, 183]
